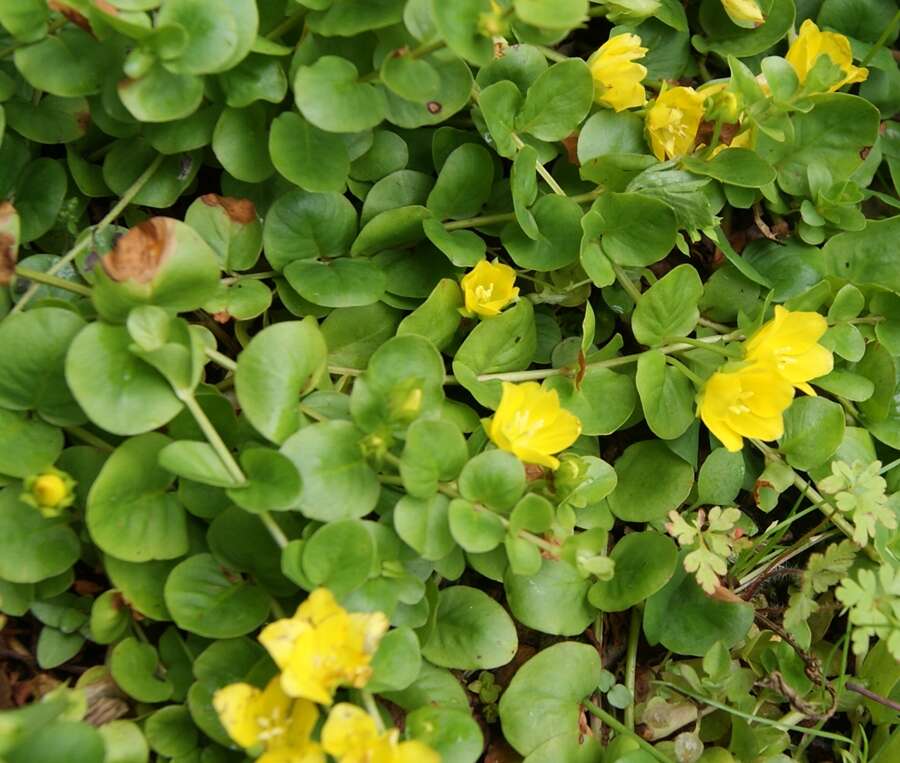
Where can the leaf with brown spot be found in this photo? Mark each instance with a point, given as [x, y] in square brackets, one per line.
[138, 255]
[241, 211]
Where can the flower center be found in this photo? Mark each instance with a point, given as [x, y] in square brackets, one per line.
[523, 427]
[271, 726]
[484, 293]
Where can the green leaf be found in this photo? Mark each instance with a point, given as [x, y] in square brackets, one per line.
[303, 225]
[31, 364]
[558, 101]
[32, 547]
[552, 601]
[562, 14]
[464, 183]
[667, 395]
[196, 461]
[505, 343]
[330, 95]
[435, 451]
[637, 499]
[500, 102]
[273, 483]
[353, 334]
[68, 740]
[69, 64]
[171, 732]
[338, 283]
[26, 20]
[634, 230]
[736, 166]
[644, 563]
[388, 153]
[117, 390]
[397, 663]
[494, 478]
[217, 37]
[213, 602]
[471, 631]
[813, 430]
[339, 555]
[392, 228]
[28, 444]
[239, 143]
[351, 17]
[459, 25]
[297, 349]
[669, 307]
[721, 477]
[544, 698]
[684, 619]
[307, 156]
[230, 227]
[40, 191]
[476, 530]
[337, 481]
[558, 221]
[451, 733]
[454, 94]
[726, 38]
[423, 524]
[863, 257]
[411, 78]
[438, 317]
[160, 95]
[134, 666]
[604, 402]
[129, 513]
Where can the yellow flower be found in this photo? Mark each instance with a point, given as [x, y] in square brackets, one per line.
[673, 120]
[744, 13]
[323, 647]
[617, 79]
[351, 736]
[271, 720]
[812, 43]
[747, 402]
[789, 343]
[488, 288]
[531, 424]
[50, 492]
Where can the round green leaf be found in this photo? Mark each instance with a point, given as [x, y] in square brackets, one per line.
[270, 401]
[552, 601]
[813, 430]
[71, 741]
[559, 223]
[495, 478]
[28, 444]
[40, 191]
[308, 156]
[338, 283]
[32, 548]
[471, 631]
[239, 143]
[70, 63]
[134, 667]
[213, 602]
[337, 481]
[644, 563]
[129, 513]
[637, 499]
[669, 307]
[557, 101]
[117, 390]
[160, 95]
[423, 524]
[330, 95]
[273, 482]
[218, 36]
[684, 619]
[171, 732]
[453, 734]
[544, 698]
[340, 556]
[303, 225]
[31, 364]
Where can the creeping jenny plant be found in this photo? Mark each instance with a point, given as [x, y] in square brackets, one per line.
[407, 381]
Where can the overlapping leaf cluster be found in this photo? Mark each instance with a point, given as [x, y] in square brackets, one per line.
[414, 301]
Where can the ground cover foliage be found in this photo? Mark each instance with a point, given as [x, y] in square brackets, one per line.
[403, 381]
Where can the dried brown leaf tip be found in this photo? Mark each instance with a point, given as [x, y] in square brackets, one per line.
[138, 255]
[240, 211]
[9, 246]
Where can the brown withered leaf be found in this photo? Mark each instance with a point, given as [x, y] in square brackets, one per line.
[240, 211]
[9, 248]
[138, 255]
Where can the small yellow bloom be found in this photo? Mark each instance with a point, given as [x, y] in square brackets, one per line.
[532, 425]
[50, 492]
[789, 343]
[673, 121]
[747, 402]
[323, 647]
[488, 288]
[617, 79]
[271, 720]
[812, 43]
[744, 13]
[351, 736]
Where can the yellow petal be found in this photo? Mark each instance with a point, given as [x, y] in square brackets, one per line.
[811, 43]
[488, 288]
[415, 752]
[673, 120]
[348, 729]
[744, 12]
[617, 79]
[234, 705]
[279, 638]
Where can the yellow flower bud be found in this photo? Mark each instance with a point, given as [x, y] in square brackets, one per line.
[812, 43]
[617, 79]
[531, 424]
[744, 13]
[488, 288]
[673, 120]
[49, 492]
